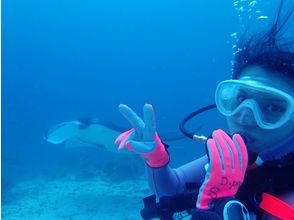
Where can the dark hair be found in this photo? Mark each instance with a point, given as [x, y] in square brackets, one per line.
[267, 49]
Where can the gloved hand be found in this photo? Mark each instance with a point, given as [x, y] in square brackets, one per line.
[226, 169]
[143, 138]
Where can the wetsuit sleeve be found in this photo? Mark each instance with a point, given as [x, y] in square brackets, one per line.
[165, 181]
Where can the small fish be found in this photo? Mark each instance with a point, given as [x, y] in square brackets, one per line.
[262, 17]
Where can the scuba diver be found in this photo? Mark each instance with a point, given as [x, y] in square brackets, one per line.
[248, 172]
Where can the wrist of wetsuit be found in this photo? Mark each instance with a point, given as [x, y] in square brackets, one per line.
[222, 209]
[159, 157]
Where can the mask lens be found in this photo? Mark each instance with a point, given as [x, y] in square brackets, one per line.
[273, 108]
[229, 98]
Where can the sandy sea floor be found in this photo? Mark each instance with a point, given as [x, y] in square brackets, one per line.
[69, 199]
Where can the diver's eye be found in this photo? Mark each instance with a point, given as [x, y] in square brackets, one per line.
[274, 108]
[240, 98]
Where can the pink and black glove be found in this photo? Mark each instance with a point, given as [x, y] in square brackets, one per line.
[226, 168]
[143, 138]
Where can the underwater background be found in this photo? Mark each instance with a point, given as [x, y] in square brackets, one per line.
[63, 60]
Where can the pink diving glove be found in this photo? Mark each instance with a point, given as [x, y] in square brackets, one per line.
[143, 138]
[226, 169]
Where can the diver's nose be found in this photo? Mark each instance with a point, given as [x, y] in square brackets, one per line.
[245, 117]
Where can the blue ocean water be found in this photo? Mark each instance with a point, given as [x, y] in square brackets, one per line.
[63, 60]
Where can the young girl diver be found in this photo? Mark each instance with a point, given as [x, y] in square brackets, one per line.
[258, 103]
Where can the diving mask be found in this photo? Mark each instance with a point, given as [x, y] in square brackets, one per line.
[271, 107]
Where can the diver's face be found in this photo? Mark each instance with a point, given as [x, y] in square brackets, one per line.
[244, 122]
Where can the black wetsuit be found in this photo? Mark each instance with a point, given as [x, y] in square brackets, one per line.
[275, 178]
